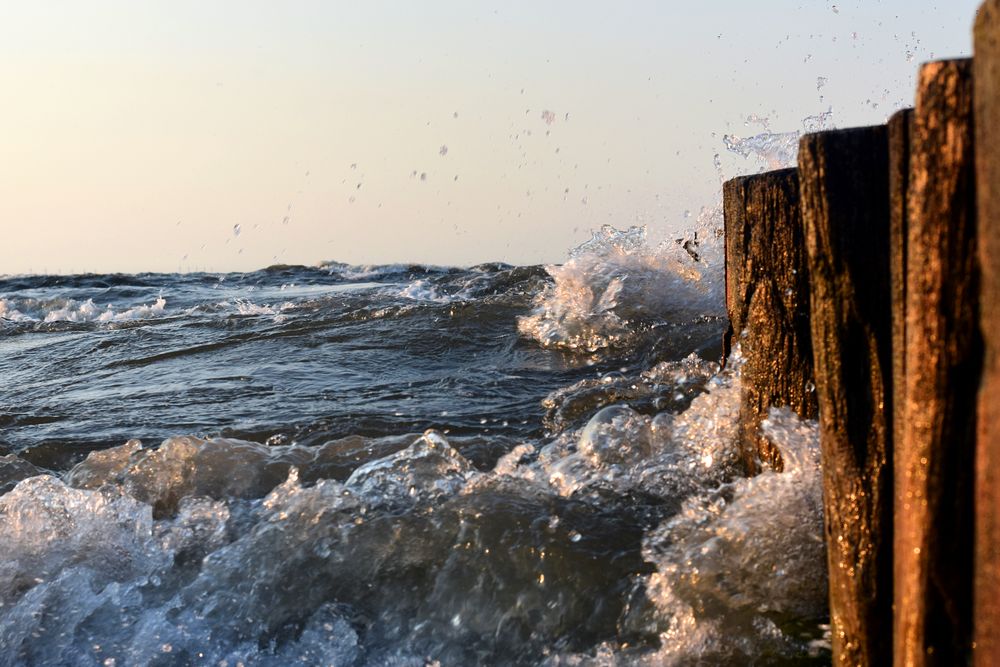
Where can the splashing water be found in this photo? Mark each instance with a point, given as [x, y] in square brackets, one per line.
[211, 551]
[615, 287]
[778, 150]
[28, 310]
[459, 495]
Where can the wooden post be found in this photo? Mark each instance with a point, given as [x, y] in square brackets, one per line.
[934, 450]
[900, 128]
[767, 299]
[844, 186]
[986, 82]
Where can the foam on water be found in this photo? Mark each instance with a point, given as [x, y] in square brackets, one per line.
[71, 310]
[424, 290]
[425, 470]
[616, 284]
[619, 530]
[740, 569]
[740, 566]
[221, 551]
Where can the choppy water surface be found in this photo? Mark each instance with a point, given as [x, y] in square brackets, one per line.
[396, 465]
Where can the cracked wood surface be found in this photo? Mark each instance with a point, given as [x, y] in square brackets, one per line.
[845, 210]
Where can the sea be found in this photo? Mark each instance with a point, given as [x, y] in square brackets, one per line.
[399, 465]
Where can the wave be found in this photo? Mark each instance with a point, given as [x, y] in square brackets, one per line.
[616, 285]
[378, 272]
[22, 310]
[400, 550]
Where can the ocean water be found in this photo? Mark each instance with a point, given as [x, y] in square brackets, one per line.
[398, 465]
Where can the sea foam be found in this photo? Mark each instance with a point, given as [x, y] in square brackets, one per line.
[616, 284]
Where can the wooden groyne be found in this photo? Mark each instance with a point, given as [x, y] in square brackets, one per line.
[767, 298]
[844, 178]
[866, 284]
[986, 109]
[943, 360]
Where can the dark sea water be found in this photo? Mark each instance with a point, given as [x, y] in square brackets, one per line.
[396, 465]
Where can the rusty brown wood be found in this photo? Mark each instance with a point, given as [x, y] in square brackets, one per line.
[767, 299]
[900, 128]
[934, 451]
[844, 187]
[986, 83]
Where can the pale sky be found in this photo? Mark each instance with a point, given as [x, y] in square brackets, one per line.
[136, 135]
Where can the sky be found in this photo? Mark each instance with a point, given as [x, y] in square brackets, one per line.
[232, 135]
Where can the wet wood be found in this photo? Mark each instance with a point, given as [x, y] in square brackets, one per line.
[934, 449]
[767, 299]
[986, 75]
[900, 129]
[845, 210]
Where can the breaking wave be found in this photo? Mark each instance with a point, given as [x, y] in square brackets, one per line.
[71, 310]
[616, 287]
[399, 465]
[376, 551]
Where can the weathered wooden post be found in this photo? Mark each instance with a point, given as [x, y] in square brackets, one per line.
[844, 187]
[900, 128]
[933, 454]
[767, 299]
[986, 82]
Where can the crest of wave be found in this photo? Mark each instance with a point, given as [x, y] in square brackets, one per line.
[736, 565]
[740, 570]
[616, 284]
[71, 310]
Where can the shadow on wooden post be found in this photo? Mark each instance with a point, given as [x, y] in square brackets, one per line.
[934, 449]
[767, 299]
[900, 128]
[845, 209]
[986, 83]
